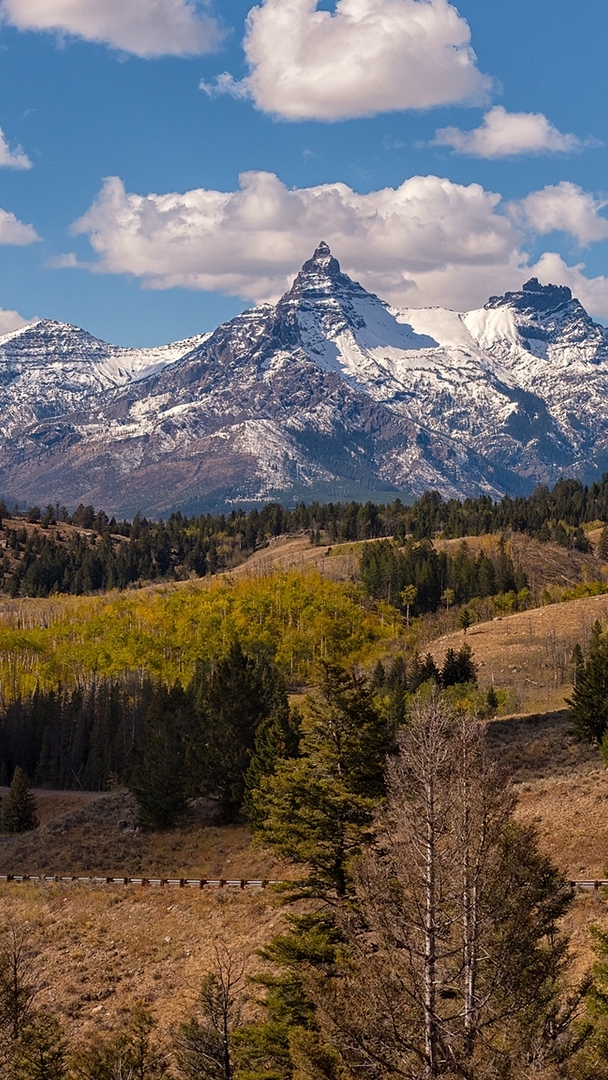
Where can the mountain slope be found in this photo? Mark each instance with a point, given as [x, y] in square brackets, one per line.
[330, 393]
[47, 368]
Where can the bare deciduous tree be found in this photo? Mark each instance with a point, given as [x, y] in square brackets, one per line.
[454, 963]
[204, 1043]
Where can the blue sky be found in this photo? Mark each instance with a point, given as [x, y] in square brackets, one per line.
[166, 163]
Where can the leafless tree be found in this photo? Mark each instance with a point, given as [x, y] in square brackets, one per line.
[204, 1044]
[454, 964]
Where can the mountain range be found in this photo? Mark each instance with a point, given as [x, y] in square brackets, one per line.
[329, 394]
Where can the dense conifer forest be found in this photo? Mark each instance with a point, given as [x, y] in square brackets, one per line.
[97, 553]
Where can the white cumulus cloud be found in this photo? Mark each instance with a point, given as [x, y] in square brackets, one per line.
[428, 241]
[505, 134]
[143, 27]
[563, 207]
[11, 320]
[12, 159]
[366, 57]
[13, 231]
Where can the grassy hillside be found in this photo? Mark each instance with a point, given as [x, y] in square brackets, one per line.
[95, 834]
[529, 652]
[101, 948]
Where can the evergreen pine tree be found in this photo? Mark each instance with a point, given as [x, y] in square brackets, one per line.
[378, 675]
[230, 703]
[589, 701]
[450, 672]
[158, 780]
[602, 547]
[492, 699]
[19, 811]
[467, 672]
[316, 810]
[577, 660]
[427, 672]
[277, 739]
[41, 1052]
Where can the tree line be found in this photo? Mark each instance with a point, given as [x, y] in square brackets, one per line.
[390, 572]
[169, 743]
[115, 554]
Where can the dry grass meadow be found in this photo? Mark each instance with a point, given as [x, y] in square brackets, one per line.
[100, 948]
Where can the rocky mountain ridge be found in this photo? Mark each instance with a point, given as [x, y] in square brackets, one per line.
[330, 394]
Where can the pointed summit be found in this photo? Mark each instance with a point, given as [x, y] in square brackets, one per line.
[322, 252]
[322, 261]
[321, 276]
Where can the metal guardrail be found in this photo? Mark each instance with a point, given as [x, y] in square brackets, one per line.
[155, 882]
[191, 883]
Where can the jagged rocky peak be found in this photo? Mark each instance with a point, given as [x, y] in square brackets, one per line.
[323, 260]
[533, 297]
[51, 338]
[321, 277]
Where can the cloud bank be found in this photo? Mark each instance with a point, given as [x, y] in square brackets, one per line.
[12, 159]
[13, 231]
[563, 207]
[11, 320]
[429, 241]
[503, 134]
[144, 28]
[368, 56]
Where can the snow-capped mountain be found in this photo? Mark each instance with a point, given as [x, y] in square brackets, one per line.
[48, 368]
[330, 393]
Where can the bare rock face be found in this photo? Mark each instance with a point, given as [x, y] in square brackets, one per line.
[329, 394]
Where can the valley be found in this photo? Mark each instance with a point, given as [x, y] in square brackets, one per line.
[83, 673]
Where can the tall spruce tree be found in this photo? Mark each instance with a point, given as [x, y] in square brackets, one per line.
[231, 701]
[42, 1051]
[158, 781]
[277, 739]
[589, 701]
[19, 810]
[316, 809]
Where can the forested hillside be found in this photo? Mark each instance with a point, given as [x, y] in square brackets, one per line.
[51, 551]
